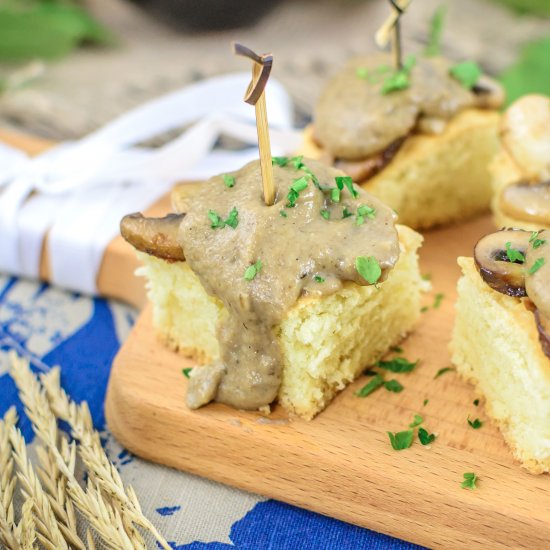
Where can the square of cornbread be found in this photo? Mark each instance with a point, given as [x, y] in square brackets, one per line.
[495, 346]
[437, 179]
[326, 342]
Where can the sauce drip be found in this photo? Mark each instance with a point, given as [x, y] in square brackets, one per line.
[300, 254]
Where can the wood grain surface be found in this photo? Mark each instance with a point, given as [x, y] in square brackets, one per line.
[341, 464]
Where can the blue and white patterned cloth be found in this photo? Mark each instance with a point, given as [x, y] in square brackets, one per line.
[81, 334]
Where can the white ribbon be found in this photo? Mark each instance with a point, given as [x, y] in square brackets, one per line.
[77, 192]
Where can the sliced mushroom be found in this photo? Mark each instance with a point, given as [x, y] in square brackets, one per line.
[530, 203]
[492, 261]
[537, 278]
[543, 326]
[525, 130]
[490, 94]
[155, 236]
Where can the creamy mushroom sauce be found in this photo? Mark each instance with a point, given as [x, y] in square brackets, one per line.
[354, 120]
[293, 250]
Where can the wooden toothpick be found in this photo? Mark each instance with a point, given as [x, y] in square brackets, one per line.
[391, 30]
[255, 95]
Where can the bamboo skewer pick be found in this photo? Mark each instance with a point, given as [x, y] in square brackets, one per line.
[391, 30]
[255, 95]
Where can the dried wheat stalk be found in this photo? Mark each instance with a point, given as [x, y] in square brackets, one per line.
[7, 483]
[48, 532]
[25, 532]
[101, 470]
[104, 518]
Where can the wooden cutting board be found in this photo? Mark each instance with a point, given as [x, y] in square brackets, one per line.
[341, 464]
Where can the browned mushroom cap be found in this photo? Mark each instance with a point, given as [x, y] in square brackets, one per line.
[494, 266]
[537, 278]
[530, 203]
[155, 236]
[543, 326]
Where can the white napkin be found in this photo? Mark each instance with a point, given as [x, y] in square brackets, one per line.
[78, 192]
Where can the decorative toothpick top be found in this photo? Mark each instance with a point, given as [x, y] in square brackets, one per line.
[391, 30]
[255, 95]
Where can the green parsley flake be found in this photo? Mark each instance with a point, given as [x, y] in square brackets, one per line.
[187, 372]
[469, 481]
[433, 47]
[475, 424]
[399, 80]
[401, 440]
[535, 241]
[233, 218]
[229, 180]
[283, 214]
[325, 213]
[369, 268]
[346, 181]
[423, 309]
[514, 255]
[438, 299]
[279, 161]
[363, 212]
[467, 73]
[335, 194]
[217, 223]
[427, 277]
[443, 371]
[346, 213]
[416, 422]
[369, 372]
[399, 364]
[476, 402]
[295, 189]
[425, 437]
[373, 76]
[393, 386]
[536, 266]
[297, 162]
[318, 279]
[253, 270]
[396, 349]
[426, 401]
[362, 72]
[372, 385]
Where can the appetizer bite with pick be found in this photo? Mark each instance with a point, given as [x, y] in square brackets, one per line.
[288, 302]
[501, 338]
[521, 170]
[419, 134]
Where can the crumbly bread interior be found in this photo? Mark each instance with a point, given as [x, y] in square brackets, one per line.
[504, 172]
[326, 342]
[437, 179]
[495, 346]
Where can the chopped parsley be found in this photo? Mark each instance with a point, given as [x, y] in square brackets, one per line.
[399, 364]
[514, 255]
[362, 72]
[295, 189]
[536, 266]
[469, 481]
[535, 241]
[393, 386]
[229, 180]
[253, 270]
[427, 277]
[396, 349]
[297, 162]
[399, 80]
[426, 401]
[346, 181]
[319, 279]
[443, 371]
[416, 422]
[423, 309]
[467, 73]
[217, 223]
[363, 212]
[369, 268]
[401, 440]
[374, 75]
[369, 372]
[325, 213]
[279, 161]
[438, 299]
[187, 372]
[335, 194]
[425, 437]
[476, 402]
[475, 424]
[373, 384]
[436, 30]
[283, 214]
[346, 213]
